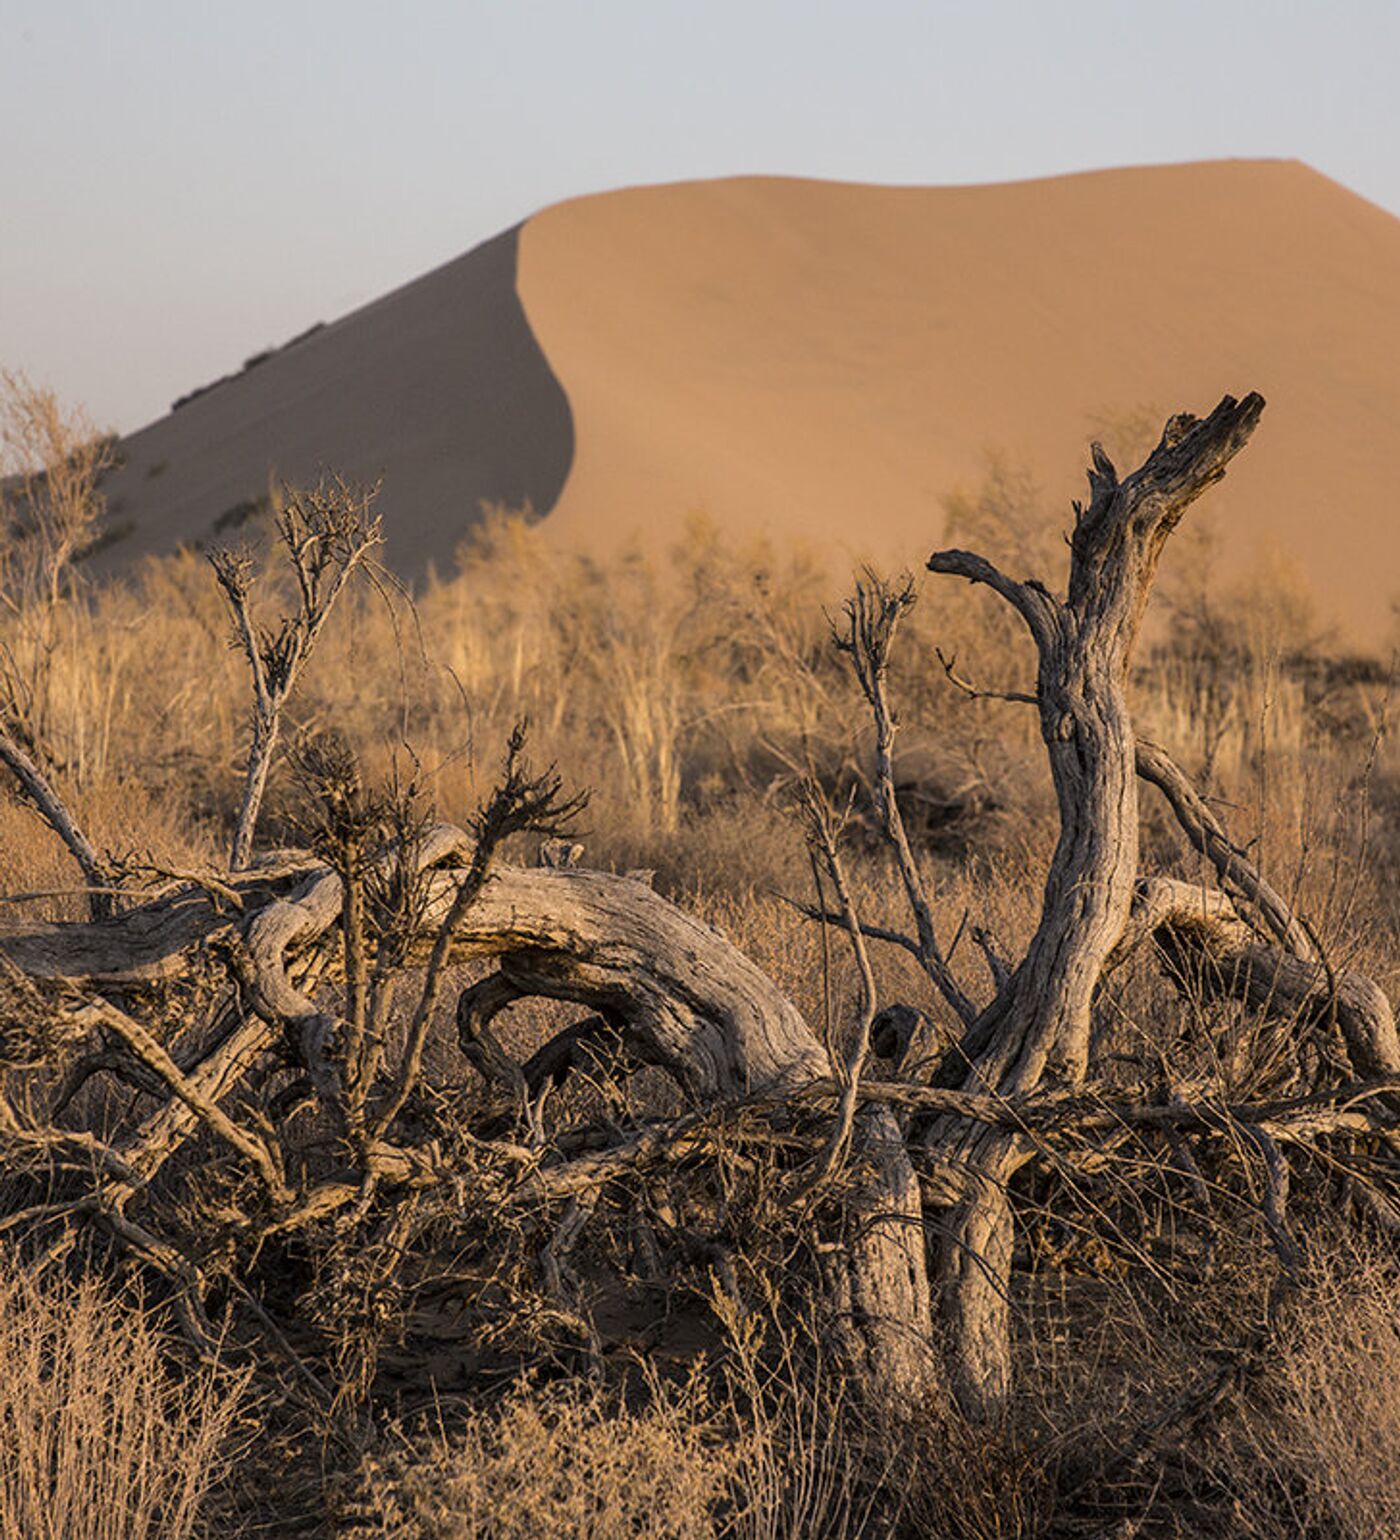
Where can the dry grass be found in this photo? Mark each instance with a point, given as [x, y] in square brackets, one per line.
[1317, 1449]
[767, 1444]
[101, 1438]
[563, 1460]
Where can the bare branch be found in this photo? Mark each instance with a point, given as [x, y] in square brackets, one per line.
[872, 617]
[328, 532]
[973, 693]
[1031, 601]
[150, 1053]
[822, 834]
[37, 787]
[873, 932]
[1237, 874]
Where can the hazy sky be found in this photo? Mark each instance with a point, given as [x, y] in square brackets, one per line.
[184, 182]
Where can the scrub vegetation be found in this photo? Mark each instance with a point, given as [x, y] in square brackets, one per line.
[627, 1046]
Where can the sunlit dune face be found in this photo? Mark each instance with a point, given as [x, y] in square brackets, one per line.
[834, 358]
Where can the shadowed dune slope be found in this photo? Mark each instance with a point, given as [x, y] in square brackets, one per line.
[439, 387]
[833, 358]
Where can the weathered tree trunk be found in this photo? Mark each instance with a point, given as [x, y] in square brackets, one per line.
[1038, 1025]
[877, 1281]
[681, 995]
[1207, 947]
[674, 991]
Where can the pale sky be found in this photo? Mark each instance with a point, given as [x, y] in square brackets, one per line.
[183, 183]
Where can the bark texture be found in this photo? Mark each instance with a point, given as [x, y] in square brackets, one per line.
[1037, 1027]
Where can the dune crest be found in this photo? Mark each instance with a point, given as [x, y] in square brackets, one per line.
[834, 359]
[439, 387]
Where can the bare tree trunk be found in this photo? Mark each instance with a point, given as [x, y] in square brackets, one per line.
[889, 1328]
[261, 748]
[974, 1279]
[681, 995]
[1037, 1028]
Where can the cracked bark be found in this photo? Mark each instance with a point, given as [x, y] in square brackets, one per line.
[1037, 1027]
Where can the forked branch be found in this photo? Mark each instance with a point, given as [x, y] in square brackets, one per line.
[327, 533]
[866, 636]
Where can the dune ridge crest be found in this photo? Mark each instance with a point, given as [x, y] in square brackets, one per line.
[834, 358]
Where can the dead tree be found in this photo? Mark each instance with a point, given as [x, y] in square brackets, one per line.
[861, 1149]
[676, 993]
[1037, 1028]
[1034, 1033]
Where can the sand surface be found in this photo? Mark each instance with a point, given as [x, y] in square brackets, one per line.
[832, 359]
[439, 388]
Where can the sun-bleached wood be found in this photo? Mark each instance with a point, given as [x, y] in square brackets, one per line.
[1037, 1027]
[675, 992]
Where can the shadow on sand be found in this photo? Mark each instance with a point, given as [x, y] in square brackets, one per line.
[441, 388]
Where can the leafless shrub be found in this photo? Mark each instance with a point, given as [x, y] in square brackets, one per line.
[326, 533]
[51, 466]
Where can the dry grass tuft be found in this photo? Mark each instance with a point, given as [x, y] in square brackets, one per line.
[1316, 1450]
[100, 1437]
[563, 1462]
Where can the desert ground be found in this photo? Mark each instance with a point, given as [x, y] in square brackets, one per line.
[663, 936]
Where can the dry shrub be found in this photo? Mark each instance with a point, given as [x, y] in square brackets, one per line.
[684, 694]
[768, 1444]
[100, 1437]
[564, 1462]
[978, 1483]
[1317, 1449]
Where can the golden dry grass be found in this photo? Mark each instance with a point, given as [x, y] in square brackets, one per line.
[1316, 1451]
[562, 1460]
[101, 1436]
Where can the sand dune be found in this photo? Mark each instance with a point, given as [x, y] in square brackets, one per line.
[833, 358]
[440, 387]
